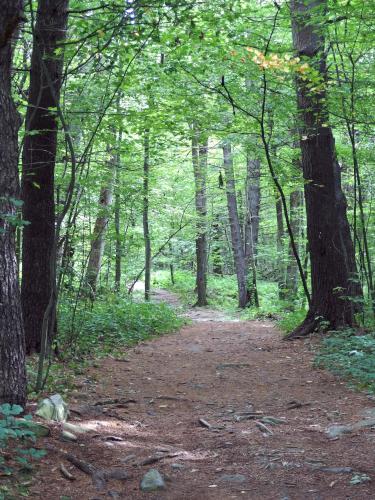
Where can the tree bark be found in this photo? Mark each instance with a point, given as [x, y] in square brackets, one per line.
[98, 238]
[235, 227]
[12, 340]
[38, 162]
[199, 156]
[252, 222]
[146, 228]
[280, 233]
[118, 257]
[333, 267]
[296, 204]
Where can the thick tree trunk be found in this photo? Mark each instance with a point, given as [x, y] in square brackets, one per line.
[146, 228]
[98, 237]
[39, 154]
[252, 223]
[12, 341]
[333, 265]
[235, 227]
[199, 156]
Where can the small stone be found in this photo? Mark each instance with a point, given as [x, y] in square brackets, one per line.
[233, 478]
[336, 470]
[335, 431]
[177, 466]
[53, 408]
[152, 481]
[73, 428]
[68, 436]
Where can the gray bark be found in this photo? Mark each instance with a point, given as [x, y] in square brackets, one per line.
[12, 339]
[99, 233]
[146, 228]
[199, 157]
[251, 231]
[235, 227]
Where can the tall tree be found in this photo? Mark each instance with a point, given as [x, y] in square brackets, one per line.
[12, 343]
[333, 268]
[38, 162]
[251, 232]
[101, 224]
[235, 227]
[296, 204]
[199, 156]
[280, 247]
[146, 228]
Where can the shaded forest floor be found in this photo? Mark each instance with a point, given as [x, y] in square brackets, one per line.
[223, 409]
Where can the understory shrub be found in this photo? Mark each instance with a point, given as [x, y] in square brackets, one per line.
[350, 356]
[112, 322]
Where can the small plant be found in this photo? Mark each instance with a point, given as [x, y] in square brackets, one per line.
[14, 457]
[359, 479]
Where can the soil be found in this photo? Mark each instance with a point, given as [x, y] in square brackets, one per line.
[194, 401]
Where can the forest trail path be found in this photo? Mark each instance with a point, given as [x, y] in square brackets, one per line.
[232, 375]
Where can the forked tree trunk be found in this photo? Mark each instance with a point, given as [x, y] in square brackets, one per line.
[39, 154]
[252, 223]
[235, 227]
[146, 228]
[199, 157]
[333, 267]
[12, 341]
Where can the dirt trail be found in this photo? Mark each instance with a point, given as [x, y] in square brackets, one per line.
[222, 372]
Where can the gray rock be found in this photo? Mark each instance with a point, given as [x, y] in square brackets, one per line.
[77, 429]
[177, 466]
[152, 481]
[233, 478]
[336, 470]
[53, 408]
[68, 436]
[334, 431]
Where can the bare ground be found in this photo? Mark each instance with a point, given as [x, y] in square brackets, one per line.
[222, 372]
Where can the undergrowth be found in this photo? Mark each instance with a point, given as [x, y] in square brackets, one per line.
[350, 356]
[223, 295]
[88, 331]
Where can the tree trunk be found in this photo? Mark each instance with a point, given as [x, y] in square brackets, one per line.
[280, 233]
[235, 227]
[38, 162]
[252, 223]
[216, 247]
[296, 204]
[118, 256]
[333, 265]
[98, 237]
[146, 228]
[199, 156]
[12, 340]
